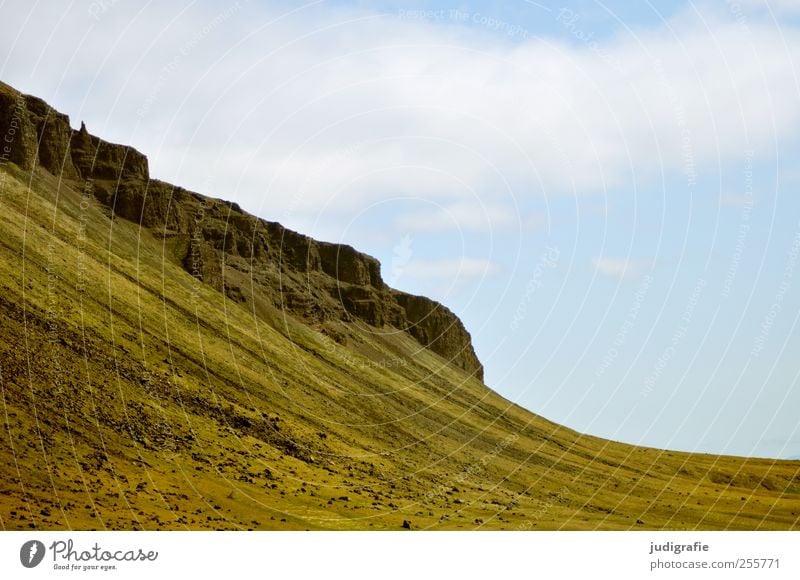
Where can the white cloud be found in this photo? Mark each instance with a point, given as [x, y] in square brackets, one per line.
[316, 114]
[786, 6]
[619, 267]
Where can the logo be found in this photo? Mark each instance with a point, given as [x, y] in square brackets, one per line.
[31, 553]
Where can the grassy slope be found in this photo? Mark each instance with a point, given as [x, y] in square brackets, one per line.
[148, 401]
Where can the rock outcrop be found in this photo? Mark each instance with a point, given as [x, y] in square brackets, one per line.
[247, 258]
[36, 135]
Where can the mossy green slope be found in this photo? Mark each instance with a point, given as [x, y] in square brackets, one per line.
[136, 397]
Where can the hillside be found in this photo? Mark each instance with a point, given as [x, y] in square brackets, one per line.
[168, 361]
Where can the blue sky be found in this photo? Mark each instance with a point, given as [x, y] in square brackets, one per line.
[606, 193]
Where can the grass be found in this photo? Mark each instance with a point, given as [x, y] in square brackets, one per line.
[135, 397]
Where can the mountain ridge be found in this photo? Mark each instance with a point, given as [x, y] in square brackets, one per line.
[225, 245]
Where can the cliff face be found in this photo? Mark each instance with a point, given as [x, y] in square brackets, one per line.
[34, 134]
[249, 259]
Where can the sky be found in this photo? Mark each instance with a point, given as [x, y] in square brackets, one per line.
[604, 192]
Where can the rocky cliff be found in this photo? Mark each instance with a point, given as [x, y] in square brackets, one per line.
[249, 259]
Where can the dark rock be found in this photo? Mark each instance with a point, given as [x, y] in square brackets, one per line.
[436, 327]
[35, 134]
[347, 265]
[406, 525]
